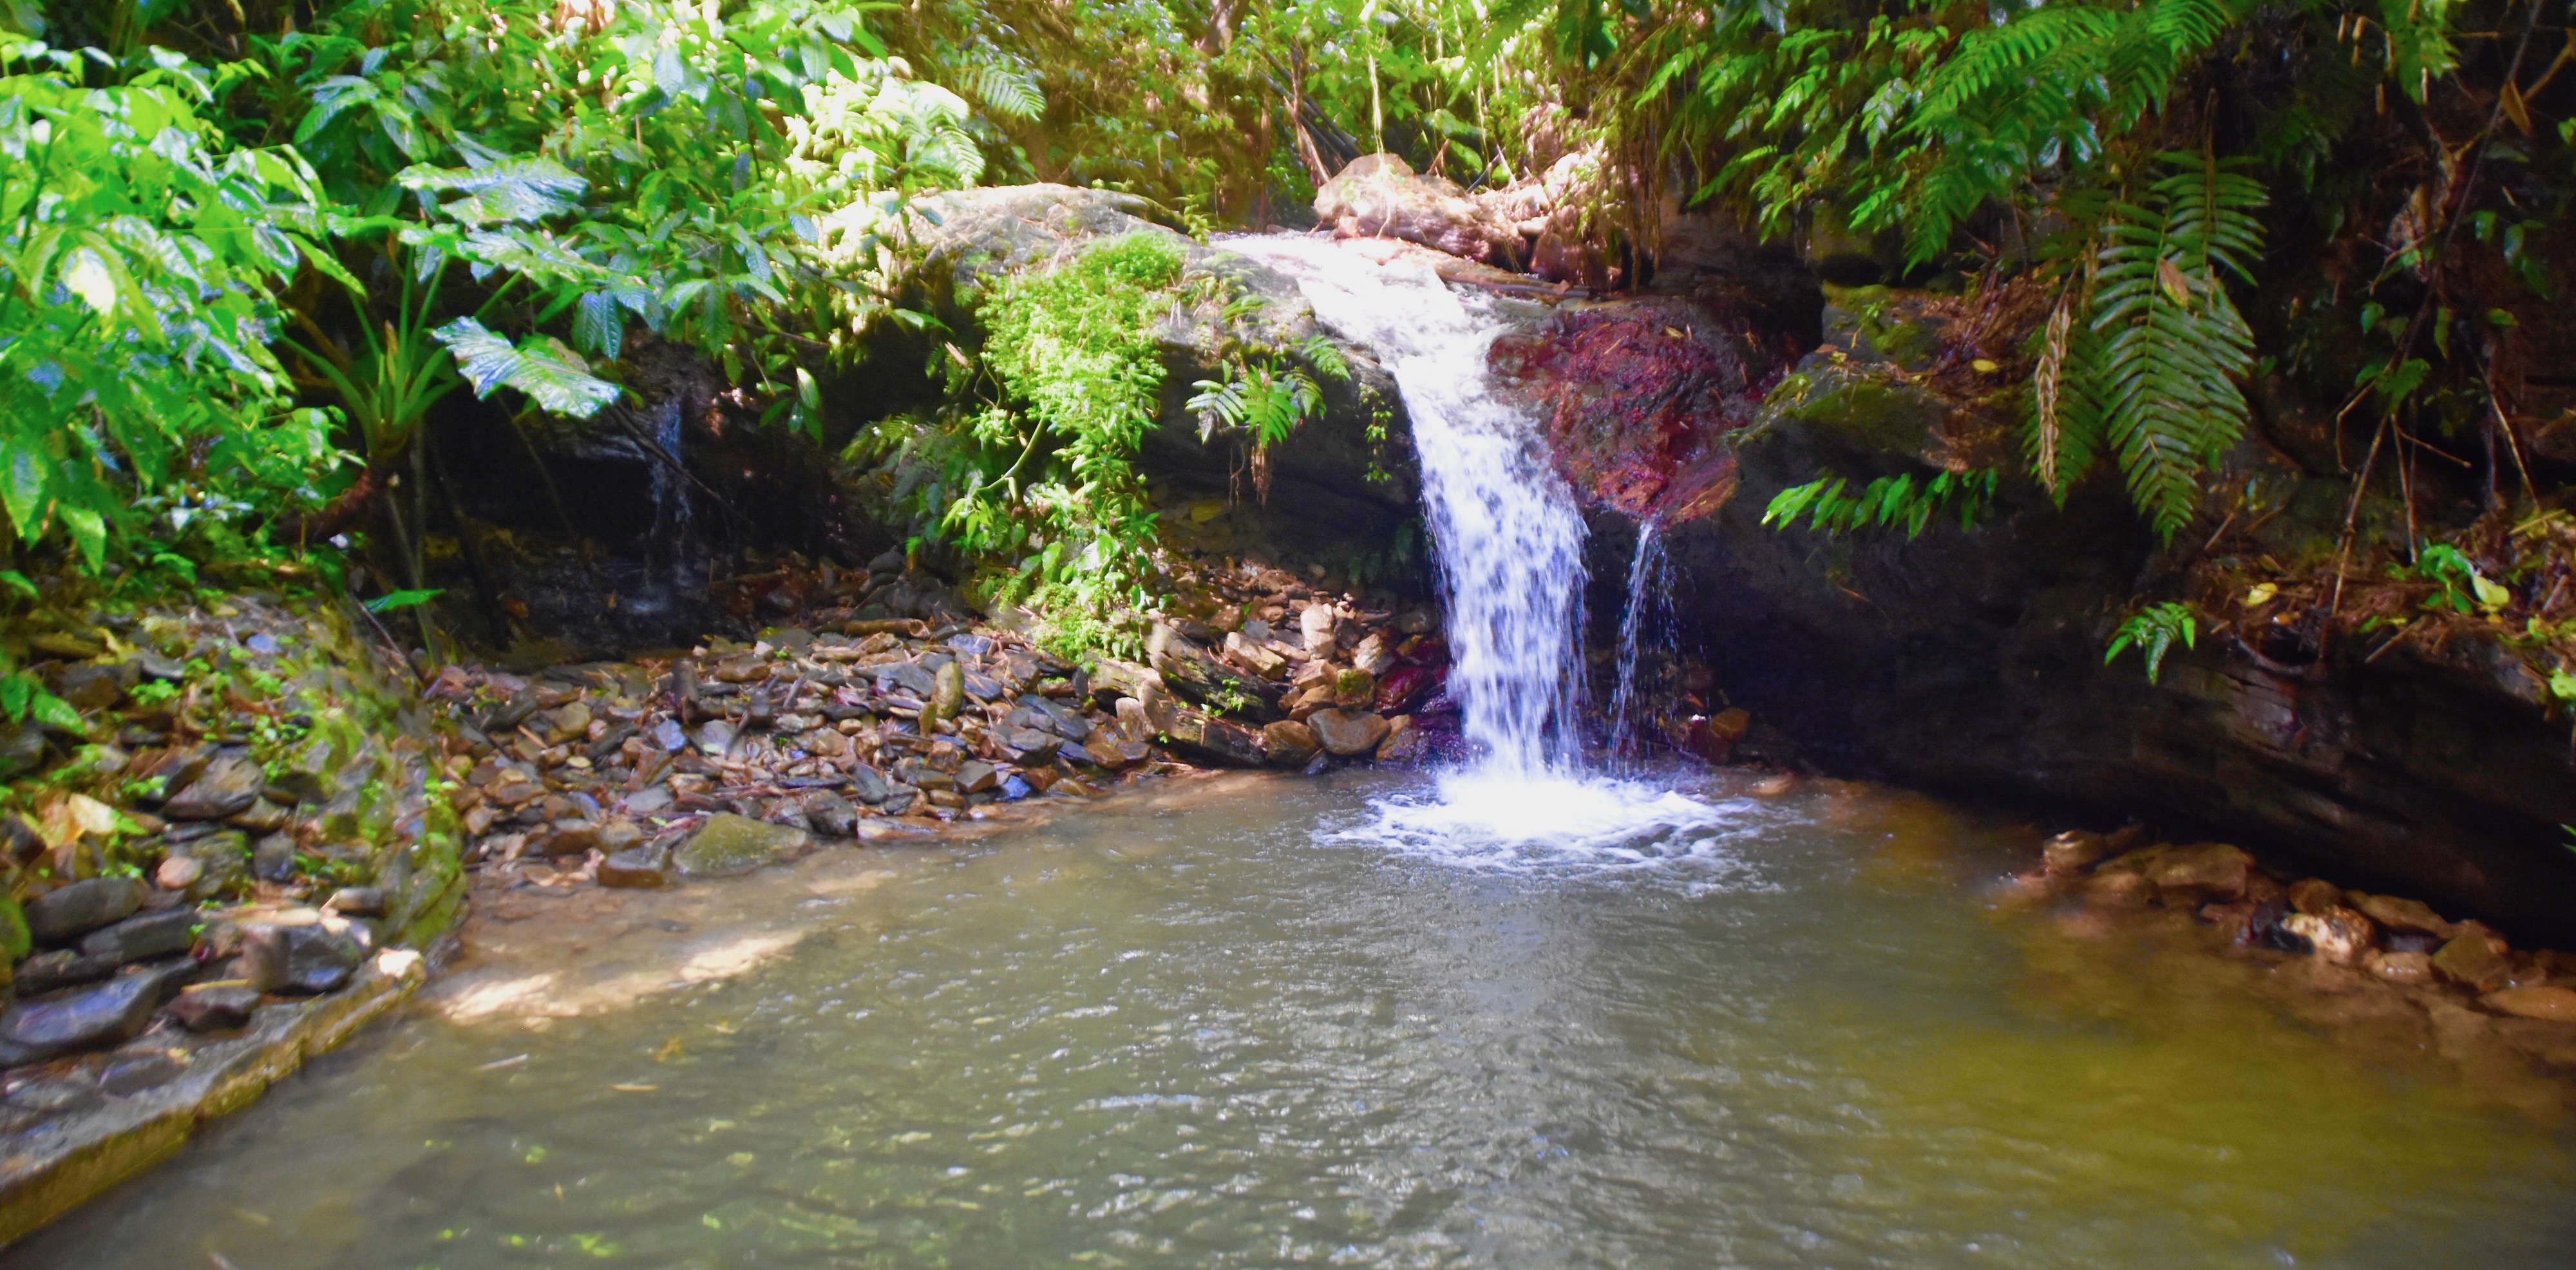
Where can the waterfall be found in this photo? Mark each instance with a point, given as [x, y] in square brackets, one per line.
[1647, 586]
[1504, 525]
[1508, 537]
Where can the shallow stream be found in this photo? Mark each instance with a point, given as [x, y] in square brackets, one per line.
[1246, 1023]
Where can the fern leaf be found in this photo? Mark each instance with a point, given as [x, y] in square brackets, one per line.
[1006, 92]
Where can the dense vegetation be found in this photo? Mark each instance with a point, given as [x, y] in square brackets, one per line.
[249, 247]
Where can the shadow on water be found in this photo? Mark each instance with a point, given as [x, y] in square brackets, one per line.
[1231, 1027]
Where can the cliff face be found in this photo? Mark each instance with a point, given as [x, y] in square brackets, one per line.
[1971, 661]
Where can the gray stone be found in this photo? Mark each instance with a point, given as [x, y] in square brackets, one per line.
[976, 776]
[273, 860]
[129, 1074]
[1028, 745]
[1062, 719]
[911, 677]
[867, 784]
[728, 844]
[357, 901]
[301, 959]
[715, 738]
[143, 938]
[65, 913]
[831, 814]
[62, 968]
[640, 867]
[227, 788]
[111, 1013]
[63, 1095]
[223, 861]
[215, 1007]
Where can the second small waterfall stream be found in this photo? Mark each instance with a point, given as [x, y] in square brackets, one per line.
[1509, 538]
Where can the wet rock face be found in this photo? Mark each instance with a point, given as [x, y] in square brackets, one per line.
[1641, 398]
[1971, 662]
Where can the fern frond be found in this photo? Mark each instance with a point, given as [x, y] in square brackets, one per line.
[1004, 91]
[2172, 342]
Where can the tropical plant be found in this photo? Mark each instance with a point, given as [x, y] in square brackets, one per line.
[2151, 377]
[1884, 503]
[2153, 631]
[141, 260]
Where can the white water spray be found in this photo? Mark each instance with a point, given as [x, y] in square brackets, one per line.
[1509, 540]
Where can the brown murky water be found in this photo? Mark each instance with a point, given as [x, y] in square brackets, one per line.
[1205, 1031]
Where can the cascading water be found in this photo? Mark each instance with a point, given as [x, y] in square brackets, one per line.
[1647, 615]
[1509, 538]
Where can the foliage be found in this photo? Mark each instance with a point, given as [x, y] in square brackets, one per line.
[2151, 379]
[142, 258]
[2458, 585]
[1035, 467]
[1883, 503]
[2153, 630]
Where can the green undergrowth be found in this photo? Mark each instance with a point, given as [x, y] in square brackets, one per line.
[1029, 467]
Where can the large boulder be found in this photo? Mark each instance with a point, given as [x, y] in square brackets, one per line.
[1380, 196]
[1643, 397]
[1347, 476]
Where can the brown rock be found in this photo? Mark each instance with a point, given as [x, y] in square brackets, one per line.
[1354, 689]
[2339, 934]
[1405, 745]
[2315, 896]
[2119, 890]
[1379, 196]
[1345, 732]
[2212, 869]
[2408, 916]
[2473, 959]
[2073, 851]
[2403, 967]
[1288, 743]
[640, 867]
[2557, 1005]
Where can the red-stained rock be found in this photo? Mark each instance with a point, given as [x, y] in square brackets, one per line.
[1640, 397]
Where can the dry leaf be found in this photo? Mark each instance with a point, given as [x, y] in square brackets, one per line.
[2174, 283]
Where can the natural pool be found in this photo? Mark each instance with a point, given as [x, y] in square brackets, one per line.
[1230, 1026]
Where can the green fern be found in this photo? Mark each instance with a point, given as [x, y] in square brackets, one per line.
[2141, 356]
[2153, 630]
[1004, 91]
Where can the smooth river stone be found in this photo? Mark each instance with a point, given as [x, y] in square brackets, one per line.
[1347, 732]
[1288, 743]
[2557, 1005]
[729, 844]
